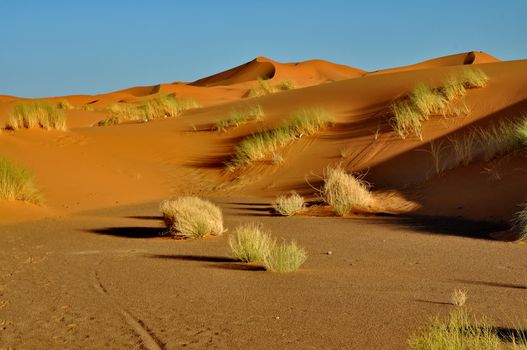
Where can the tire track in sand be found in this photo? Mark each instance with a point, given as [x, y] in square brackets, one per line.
[148, 338]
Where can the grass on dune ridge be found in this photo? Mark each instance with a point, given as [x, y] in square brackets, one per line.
[264, 88]
[16, 183]
[36, 114]
[409, 112]
[238, 117]
[258, 146]
[160, 106]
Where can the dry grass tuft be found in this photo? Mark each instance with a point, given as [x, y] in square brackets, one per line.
[160, 106]
[239, 117]
[459, 297]
[16, 183]
[285, 257]
[344, 192]
[460, 332]
[250, 243]
[36, 114]
[258, 146]
[264, 88]
[520, 222]
[424, 101]
[289, 205]
[192, 217]
[65, 104]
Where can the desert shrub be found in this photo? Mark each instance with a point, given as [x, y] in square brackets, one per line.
[259, 145]
[460, 332]
[345, 192]
[427, 100]
[36, 114]
[520, 222]
[191, 217]
[277, 159]
[163, 106]
[285, 257]
[16, 183]
[113, 120]
[160, 106]
[86, 107]
[453, 87]
[238, 117]
[250, 243]
[423, 101]
[285, 85]
[264, 88]
[289, 205]
[474, 78]
[65, 104]
[407, 119]
[459, 297]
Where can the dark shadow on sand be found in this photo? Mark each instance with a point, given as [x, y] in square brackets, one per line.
[494, 284]
[451, 226]
[130, 232]
[219, 262]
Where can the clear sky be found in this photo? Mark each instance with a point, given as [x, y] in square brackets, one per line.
[59, 47]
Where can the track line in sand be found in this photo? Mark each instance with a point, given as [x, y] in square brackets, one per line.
[148, 338]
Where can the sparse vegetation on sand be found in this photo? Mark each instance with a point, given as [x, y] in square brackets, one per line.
[65, 104]
[520, 222]
[16, 183]
[424, 101]
[264, 88]
[345, 192]
[258, 146]
[192, 217]
[239, 117]
[459, 297]
[289, 205]
[482, 142]
[36, 114]
[463, 331]
[285, 257]
[250, 243]
[160, 106]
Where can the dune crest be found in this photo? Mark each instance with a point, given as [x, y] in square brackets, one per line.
[465, 58]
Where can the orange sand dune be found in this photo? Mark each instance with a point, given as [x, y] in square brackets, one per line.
[261, 67]
[472, 57]
[87, 269]
[156, 156]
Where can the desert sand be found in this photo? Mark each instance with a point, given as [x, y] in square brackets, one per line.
[87, 269]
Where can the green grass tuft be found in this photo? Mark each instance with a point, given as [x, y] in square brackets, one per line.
[192, 217]
[250, 243]
[36, 114]
[258, 146]
[239, 117]
[16, 183]
[460, 332]
[285, 257]
[474, 78]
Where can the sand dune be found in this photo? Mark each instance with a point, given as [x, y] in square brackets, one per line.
[102, 185]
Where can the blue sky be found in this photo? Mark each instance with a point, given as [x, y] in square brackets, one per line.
[59, 47]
